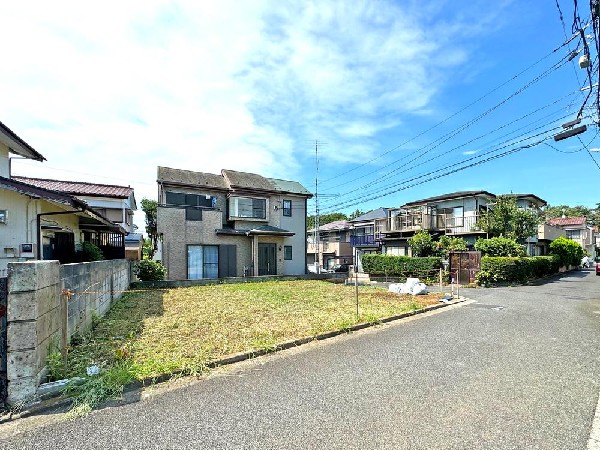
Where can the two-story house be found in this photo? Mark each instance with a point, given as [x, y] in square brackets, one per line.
[116, 203]
[577, 228]
[39, 223]
[228, 225]
[333, 245]
[367, 233]
[454, 214]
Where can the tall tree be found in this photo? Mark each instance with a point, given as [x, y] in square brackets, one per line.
[506, 219]
[592, 214]
[149, 207]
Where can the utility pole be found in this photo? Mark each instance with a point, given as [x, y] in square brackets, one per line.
[317, 224]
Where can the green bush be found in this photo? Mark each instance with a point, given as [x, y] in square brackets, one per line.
[499, 246]
[91, 252]
[402, 266]
[500, 269]
[568, 251]
[148, 270]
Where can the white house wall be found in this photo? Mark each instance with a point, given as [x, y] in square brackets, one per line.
[296, 224]
[4, 161]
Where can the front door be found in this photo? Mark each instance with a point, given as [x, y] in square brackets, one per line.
[267, 259]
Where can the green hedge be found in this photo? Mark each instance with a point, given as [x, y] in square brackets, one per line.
[497, 269]
[402, 267]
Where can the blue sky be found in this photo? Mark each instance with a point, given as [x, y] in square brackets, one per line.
[390, 90]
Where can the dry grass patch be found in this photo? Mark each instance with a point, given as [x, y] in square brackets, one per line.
[147, 334]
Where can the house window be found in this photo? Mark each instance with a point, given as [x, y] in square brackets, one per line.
[287, 252]
[246, 207]
[457, 214]
[193, 203]
[202, 261]
[573, 234]
[287, 208]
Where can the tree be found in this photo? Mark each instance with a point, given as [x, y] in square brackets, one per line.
[506, 219]
[422, 244]
[323, 219]
[356, 214]
[149, 207]
[592, 214]
[447, 244]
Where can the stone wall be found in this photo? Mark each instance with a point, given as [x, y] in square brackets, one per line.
[46, 304]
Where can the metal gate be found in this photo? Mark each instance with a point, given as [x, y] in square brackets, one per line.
[3, 342]
[464, 266]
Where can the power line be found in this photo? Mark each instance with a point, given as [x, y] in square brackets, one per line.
[454, 114]
[438, 142]
[498, 146]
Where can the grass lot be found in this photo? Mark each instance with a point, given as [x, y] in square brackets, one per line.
[147, 334]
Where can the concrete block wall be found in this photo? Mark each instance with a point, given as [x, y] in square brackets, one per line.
[93, 286]
[34, 318]
[40, 317]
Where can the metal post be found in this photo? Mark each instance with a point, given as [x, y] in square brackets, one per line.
[441, 278]
[356, 292]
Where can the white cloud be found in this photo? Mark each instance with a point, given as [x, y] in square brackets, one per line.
[116, 89]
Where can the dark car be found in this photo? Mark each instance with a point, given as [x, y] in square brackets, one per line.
[597, 268]
[341, 268]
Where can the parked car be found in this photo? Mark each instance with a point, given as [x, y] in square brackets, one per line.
[597, 268]
[341, 268]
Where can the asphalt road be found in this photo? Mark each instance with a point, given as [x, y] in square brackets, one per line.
[519, 368]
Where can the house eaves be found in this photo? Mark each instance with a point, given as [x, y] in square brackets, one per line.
[18, 145]
[451, 196]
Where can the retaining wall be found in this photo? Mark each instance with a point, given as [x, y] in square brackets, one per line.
[47, 303]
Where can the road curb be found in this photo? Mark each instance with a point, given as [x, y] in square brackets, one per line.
[50, 403]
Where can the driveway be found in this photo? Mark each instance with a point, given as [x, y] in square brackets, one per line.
[517, 368]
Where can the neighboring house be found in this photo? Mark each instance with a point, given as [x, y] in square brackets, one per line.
[134, 244]
[334, 244]
[454, 214]
[116, 203]
[228, 225]
[38, 223]
[367, 232]
[577, 228]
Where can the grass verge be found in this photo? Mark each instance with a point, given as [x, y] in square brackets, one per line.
[153, 333]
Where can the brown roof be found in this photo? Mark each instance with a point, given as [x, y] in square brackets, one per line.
[245, 180]
[79, 188]
[187, 177]
[565, 221]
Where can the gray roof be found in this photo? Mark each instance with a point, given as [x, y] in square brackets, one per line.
[230, 180]
[187, 177]
[379, 213]
[335, 225]
[539, 200]
[18, 145]
[451, 196]
[292, 187]
[134, 237]
[262, 230]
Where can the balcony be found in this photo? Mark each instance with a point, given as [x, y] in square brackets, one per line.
[367, 240]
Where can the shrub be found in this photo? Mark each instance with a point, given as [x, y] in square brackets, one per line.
[402, 266]
[91, 252]
[499, 246]
[568, 251]
[499, 269]
[447, 244]
[422, 244]
[148, 270]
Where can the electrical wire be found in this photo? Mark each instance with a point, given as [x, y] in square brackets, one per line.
[514, 77]
[498, 146]
[445, 138]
